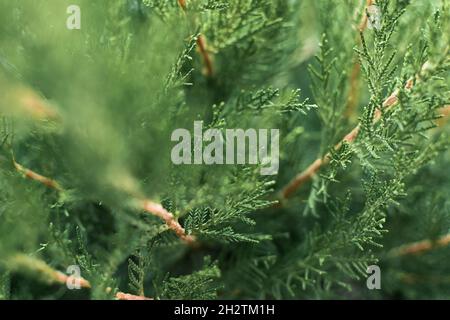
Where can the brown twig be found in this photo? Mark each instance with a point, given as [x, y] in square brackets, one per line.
[354, 75]
[63, 279]
[420, 247]
[127, 296]
[412, 278]
[19, 99]
[51, 276]
[202, 47]
[182, 4]
[159, 211]
[50, 183]
[201, 43]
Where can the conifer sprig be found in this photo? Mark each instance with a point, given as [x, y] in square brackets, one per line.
[311, 171]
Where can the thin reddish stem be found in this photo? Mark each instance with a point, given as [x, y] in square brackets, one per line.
[127, 296]
[201, 43]
[421, 246]
[356, 70]
[158, 210]
[50, 183]
[64, 278]
[202, 47]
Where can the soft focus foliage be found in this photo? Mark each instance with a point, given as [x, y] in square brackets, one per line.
[94, 110]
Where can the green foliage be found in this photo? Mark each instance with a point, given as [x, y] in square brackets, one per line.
[196, 286]
[138, 69]
[5, 288]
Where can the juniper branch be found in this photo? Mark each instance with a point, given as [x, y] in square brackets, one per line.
[310, 172]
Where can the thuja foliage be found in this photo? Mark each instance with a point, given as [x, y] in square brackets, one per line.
[358, 90]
